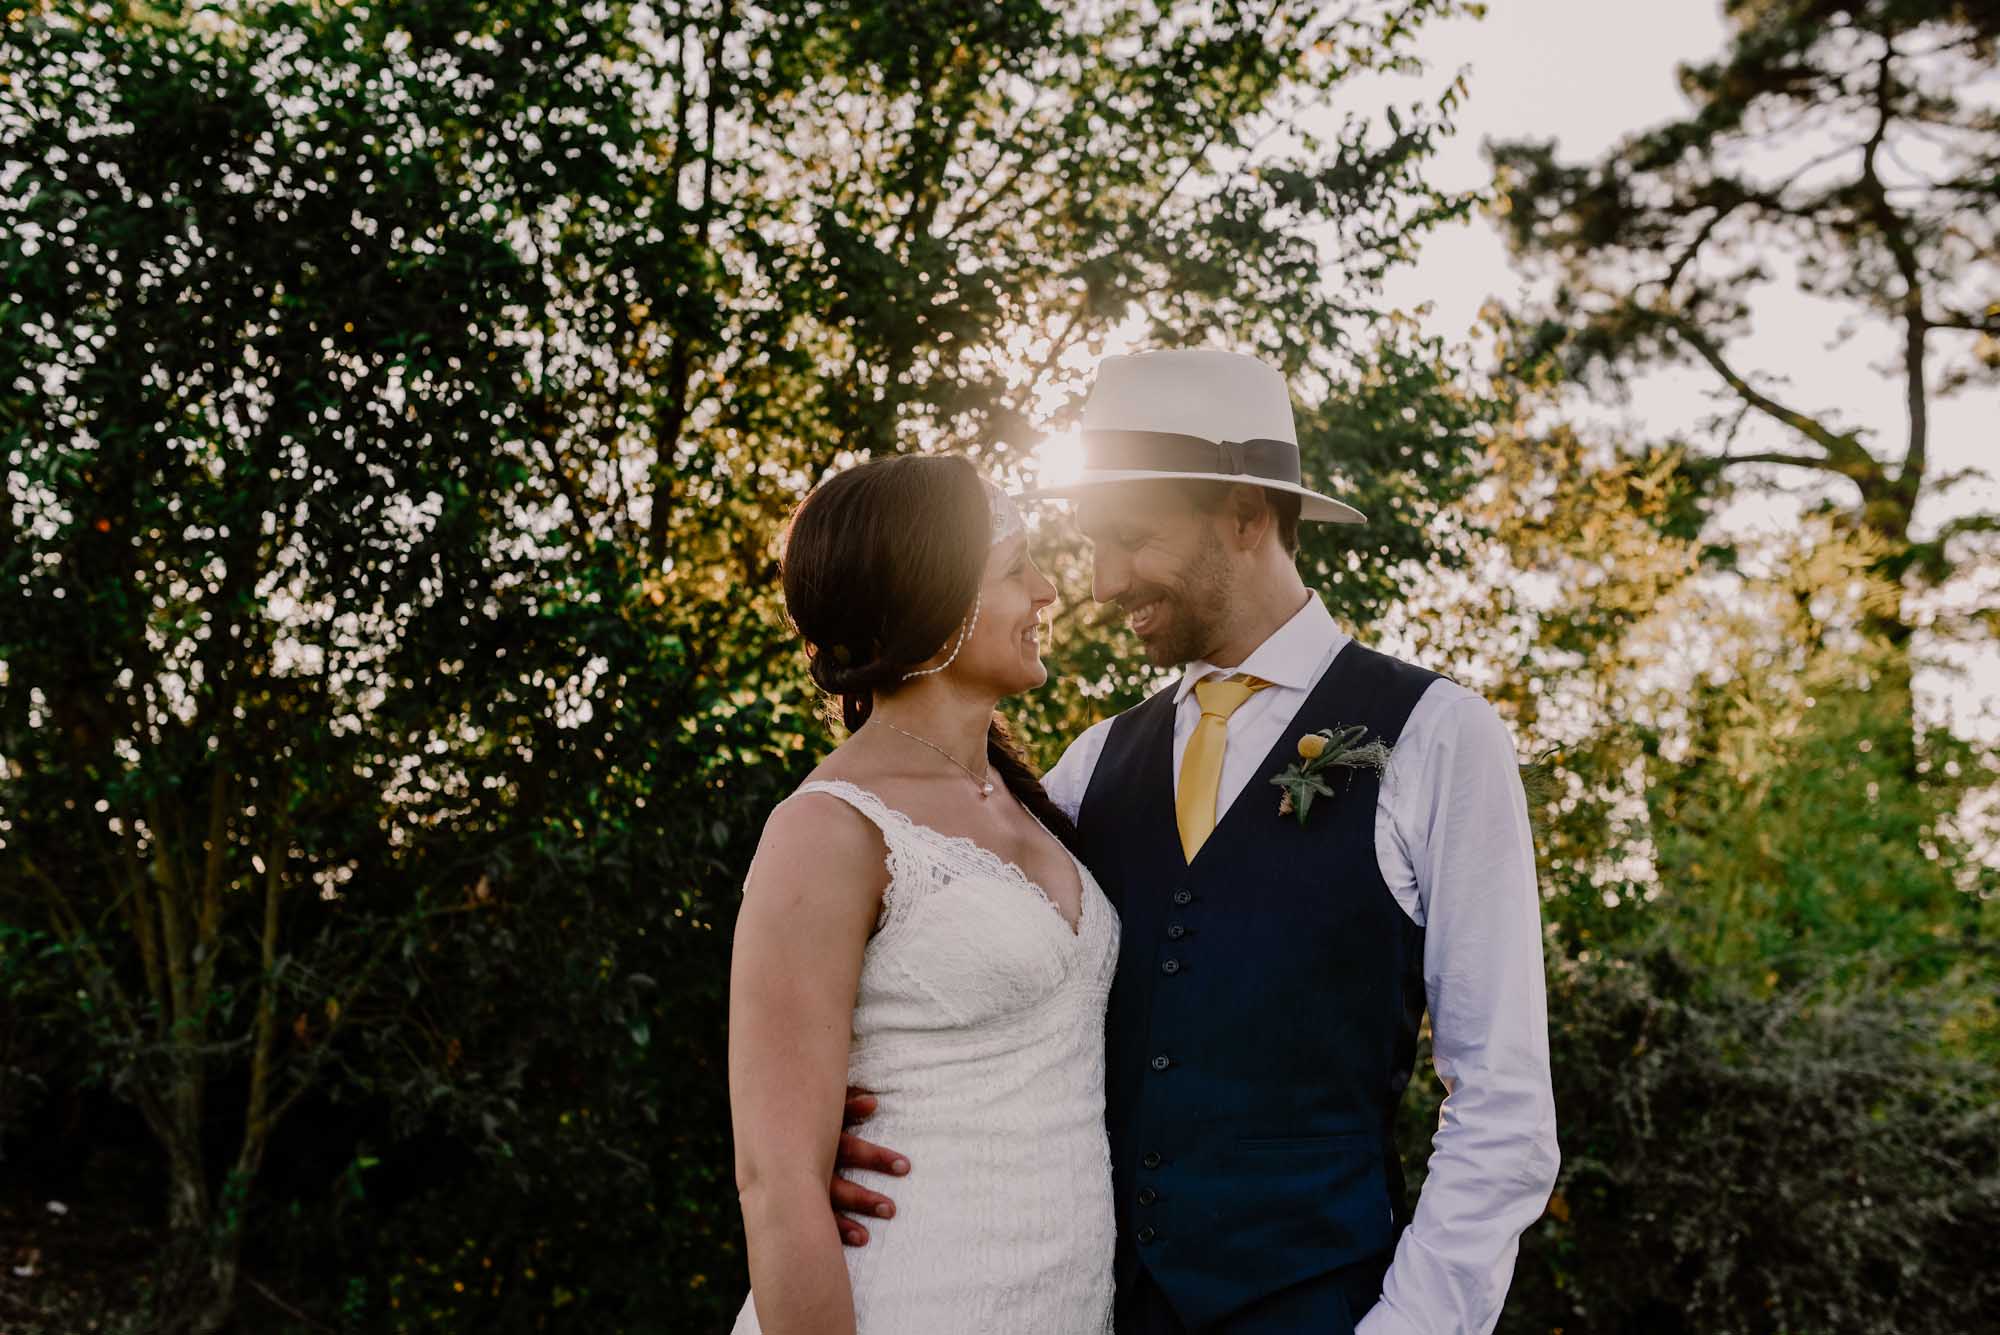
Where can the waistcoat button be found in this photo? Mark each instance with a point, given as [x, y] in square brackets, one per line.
[1146, 1235]
[1176, 932]
[1171, 966]
[1183, 897]
[1147, 1195]
[1160, 1062]
[1152, 1159]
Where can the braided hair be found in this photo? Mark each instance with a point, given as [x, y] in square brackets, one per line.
[882, 564]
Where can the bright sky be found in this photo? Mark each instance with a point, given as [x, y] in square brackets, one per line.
[1586, 74]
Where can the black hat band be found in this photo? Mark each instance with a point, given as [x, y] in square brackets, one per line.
[1169, 452]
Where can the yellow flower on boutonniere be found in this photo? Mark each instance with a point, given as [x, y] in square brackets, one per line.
[1319, 752]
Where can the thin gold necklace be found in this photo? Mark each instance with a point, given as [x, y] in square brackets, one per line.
[985, 785]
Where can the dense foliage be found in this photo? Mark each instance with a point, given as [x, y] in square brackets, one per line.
[399, 406]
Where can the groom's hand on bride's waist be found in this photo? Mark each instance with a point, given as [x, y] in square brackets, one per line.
[851, 1198]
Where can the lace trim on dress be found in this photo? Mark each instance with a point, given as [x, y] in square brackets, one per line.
[970, 853]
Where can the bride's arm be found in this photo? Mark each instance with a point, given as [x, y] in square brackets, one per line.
[809, 904]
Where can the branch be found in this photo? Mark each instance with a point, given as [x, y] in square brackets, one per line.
[256, 1125]
[680, 358]
[1910, 476]
[1225, 119]
[209, 927]
[173, 949]
[566, 487]
[282, 1305]
[1770, 200]
[1818, 461]
[1687, 255]
[343, 1011]
[1932, 558]
[1061, 342]
[980, 202]
[1987, 323]
[103, 983]
[1844, 454]
[1964, 524]
[141, 919]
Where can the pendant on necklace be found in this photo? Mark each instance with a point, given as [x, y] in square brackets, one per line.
[986, 790]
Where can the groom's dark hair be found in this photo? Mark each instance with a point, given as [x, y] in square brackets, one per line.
[881, 565]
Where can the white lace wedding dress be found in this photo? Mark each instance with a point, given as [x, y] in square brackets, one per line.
[979, 1024]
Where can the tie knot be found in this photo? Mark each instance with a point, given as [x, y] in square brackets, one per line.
[1222, 698]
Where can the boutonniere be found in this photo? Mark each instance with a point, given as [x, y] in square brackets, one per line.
[1321, 751]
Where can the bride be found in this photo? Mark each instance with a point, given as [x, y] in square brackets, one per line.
[916, 923]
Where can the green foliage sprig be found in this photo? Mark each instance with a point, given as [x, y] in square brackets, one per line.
[1344, 747]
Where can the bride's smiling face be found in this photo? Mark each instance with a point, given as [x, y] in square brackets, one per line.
[1004, 651]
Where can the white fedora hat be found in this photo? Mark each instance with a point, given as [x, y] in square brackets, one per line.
[1197, 413]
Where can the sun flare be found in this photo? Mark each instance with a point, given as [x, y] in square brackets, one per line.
[1059, 459]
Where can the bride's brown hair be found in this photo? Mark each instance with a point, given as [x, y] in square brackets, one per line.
[881, 565]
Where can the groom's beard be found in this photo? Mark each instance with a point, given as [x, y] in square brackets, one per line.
[1196, 610]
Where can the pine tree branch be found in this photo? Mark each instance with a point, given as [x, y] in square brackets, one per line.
[1895, 235]
[1844, 454]
[1987, 323]
[1818, 461]
[1693, 247]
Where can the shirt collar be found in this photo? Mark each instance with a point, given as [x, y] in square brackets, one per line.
[1291, 657]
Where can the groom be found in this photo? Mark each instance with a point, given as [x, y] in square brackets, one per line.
[1274, 971]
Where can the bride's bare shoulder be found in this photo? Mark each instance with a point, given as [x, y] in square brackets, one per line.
[819, 839]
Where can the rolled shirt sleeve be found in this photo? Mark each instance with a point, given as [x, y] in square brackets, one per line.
[1460, 824]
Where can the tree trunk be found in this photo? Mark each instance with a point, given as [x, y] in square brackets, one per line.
[1886, 511]
[195, 1281]
[195, 1276]
[184, 1298]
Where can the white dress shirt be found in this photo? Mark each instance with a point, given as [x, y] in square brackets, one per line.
[1454, 847]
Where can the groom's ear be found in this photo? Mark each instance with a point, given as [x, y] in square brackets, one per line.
[1252, 516]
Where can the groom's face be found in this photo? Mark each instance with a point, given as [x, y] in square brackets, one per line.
[1164, 563]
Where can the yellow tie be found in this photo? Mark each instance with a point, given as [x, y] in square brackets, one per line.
[1201, 767]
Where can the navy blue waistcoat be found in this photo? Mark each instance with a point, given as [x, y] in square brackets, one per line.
[1263, 1025]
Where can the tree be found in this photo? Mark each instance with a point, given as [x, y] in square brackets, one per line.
[1772, 969]
[1715, 760]
[278, 669]
[402, 404]
[1834, 134]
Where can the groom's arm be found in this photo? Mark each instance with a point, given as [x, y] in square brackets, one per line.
[1461, 826]
[1069, 778]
